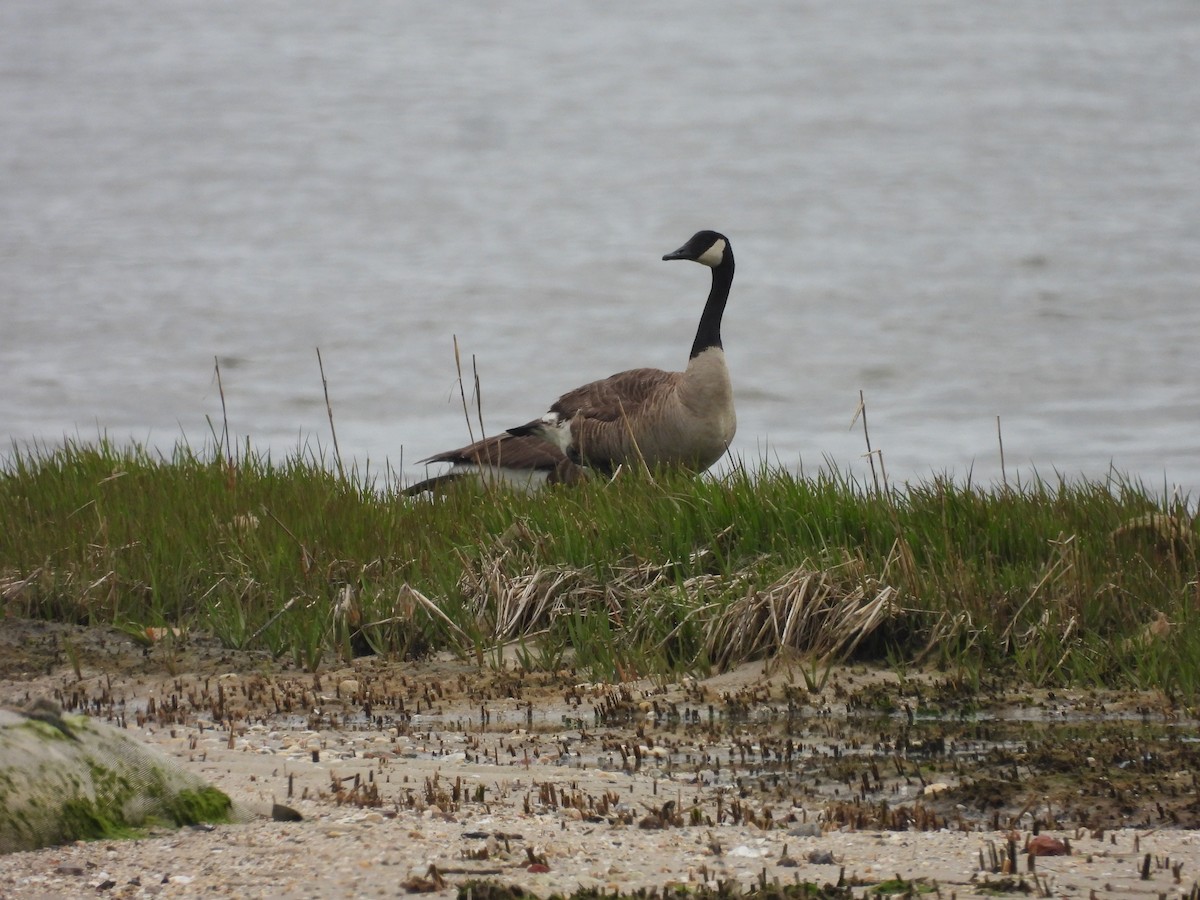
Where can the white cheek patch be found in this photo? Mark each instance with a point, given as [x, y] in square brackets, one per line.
[713, 255]
[557, 431]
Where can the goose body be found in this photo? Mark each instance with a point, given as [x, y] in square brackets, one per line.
[649, 415]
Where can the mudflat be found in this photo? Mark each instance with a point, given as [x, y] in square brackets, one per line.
[435, 774]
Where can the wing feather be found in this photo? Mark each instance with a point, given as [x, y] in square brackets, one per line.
[620, 396]
[505, 450]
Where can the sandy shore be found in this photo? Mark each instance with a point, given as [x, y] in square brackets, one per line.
[448, 780]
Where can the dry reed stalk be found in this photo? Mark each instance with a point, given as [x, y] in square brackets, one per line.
[337, 453]
[1165, 532]
[509, 606]
[518, 605]
[953, 628]
[410, 595]
[806, 611]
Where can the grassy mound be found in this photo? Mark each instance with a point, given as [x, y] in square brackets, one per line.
[1092, 583]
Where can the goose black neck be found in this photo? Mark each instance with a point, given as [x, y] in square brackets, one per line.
[708, 334]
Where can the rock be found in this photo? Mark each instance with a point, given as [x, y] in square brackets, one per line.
[66, 778]
[806, 829]
[1044, 845]
[281, 813]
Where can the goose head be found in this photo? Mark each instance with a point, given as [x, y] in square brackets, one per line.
[708, 248]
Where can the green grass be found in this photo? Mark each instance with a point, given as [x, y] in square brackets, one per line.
[1051, 583]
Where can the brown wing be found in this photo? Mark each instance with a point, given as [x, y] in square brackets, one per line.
[618, 397]
[611, 418]
[505, 450]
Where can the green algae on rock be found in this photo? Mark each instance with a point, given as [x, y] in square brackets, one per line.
[66, 778]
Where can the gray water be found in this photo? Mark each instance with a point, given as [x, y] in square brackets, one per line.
[966, 210]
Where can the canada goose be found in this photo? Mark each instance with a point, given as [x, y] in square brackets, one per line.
[525, 462]
[648, 415]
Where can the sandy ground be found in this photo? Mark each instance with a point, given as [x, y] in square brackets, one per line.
[424, 777]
